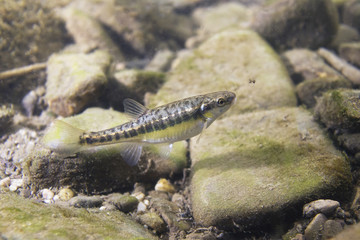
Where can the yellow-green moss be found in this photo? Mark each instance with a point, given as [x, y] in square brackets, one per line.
[22, 218]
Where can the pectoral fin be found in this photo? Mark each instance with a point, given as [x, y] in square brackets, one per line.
[131, 153]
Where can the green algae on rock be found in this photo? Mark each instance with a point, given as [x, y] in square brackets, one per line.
[74, 80]
[339, 109]
[103, 170]
[260, 165]
[29, 37]
[309, 90]
[30, 220]
[214, 19]
[227, 61]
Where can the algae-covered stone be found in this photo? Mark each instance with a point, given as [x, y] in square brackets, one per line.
[252, 168]
[29, 37]
[74, 80]
[143, 26]
[304, 64]
[285, 25]
[102, 170]
[24, 219]
[152, 220]
[124, 203]
[231, 61]
[339, 109]
[169, 211]
[217, 18]
[88, 33]
[309, 90]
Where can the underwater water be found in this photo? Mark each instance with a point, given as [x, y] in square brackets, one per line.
[281, 161]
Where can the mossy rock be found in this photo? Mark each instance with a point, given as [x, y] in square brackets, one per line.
[25, 219]
[238, 61]
[75, 80]
[339, 109]
[309, 90]
[250, 169]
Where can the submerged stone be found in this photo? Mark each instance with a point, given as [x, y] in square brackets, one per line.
[99, 170]
[309, 90]
[24, 219]
[284, 25]
[238, 61]
[88, 33]
[250, 169]
[339, 109]
[75, 80]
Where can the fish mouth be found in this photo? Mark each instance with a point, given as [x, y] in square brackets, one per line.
[232, 98]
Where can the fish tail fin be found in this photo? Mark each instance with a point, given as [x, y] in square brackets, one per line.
[63, 138]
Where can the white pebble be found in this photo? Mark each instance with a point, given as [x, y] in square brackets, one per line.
[48, 201]
[15, 184]
[146, 202]
[47, 194]
[139, 195]
[5, 182]
[141, 207]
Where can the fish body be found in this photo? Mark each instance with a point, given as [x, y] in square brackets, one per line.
[165, 124]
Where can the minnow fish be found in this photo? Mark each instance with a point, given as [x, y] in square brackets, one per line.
[176, 121]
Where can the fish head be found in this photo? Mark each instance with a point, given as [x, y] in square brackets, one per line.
[215, 104]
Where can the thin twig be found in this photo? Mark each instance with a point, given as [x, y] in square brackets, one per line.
[22, 70]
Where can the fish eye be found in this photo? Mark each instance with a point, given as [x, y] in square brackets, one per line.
[220, 102]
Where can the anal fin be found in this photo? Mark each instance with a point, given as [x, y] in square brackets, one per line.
[164, 150]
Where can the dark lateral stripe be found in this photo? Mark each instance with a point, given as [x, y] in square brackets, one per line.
[133, 132]
[171, 121]
[162, 124]
[149, 127]
[109, 138]
[117, 136]
[156, 125]
[141, 129]
[178, 118]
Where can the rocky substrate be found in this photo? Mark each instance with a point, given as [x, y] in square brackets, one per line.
[283, 162]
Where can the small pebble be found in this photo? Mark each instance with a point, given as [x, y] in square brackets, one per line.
[124, 203]
[5, 182]
[141, 207]
[325, 206]
[314, 228]
[47, 194]
[152, 220]
[139, 195]
[86, 201]
[164, 185]
[15, 184]
[178, 199]
[66, 194]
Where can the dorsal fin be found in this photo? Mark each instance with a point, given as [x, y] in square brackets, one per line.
[133, 108]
